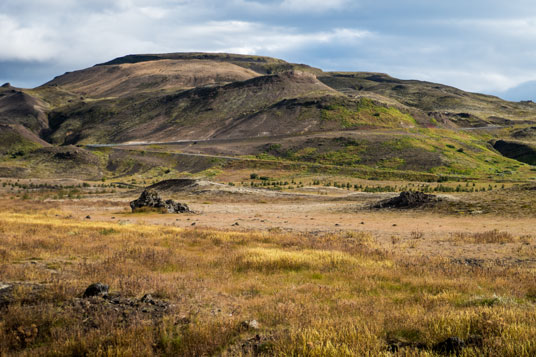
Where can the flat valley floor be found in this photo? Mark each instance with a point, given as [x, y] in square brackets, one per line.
[250, 273]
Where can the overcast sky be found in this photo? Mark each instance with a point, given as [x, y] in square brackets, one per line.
[477, 45]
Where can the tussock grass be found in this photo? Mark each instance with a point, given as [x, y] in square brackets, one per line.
[488, 237]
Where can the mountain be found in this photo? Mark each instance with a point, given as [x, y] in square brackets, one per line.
[523, 92]
[201, 96]
[148, 73]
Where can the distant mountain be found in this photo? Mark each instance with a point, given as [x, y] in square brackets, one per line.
[522, 92]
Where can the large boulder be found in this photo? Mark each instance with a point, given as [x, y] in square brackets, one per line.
[151, 199]
[408, 199]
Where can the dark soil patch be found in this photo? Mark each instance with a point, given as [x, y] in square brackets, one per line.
[95, 310]
[20, 292]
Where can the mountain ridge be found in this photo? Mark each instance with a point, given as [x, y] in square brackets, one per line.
[205, 96]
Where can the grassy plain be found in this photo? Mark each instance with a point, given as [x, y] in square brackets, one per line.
[376, 283]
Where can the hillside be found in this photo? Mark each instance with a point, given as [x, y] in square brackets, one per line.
[23, 119]
[20, 108]
[384, 123]
[135, 74]
[447, 105]
[199, 113]
[131, 78]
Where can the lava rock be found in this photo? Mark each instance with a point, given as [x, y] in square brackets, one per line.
[151, 199]
[96, 289]
[148, 299]
[395, 344]
[449, 346]
[408, 199]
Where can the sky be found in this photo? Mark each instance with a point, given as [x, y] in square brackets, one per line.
[486, 46]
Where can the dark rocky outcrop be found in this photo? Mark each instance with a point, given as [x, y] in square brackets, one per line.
[97, 289]
[151, 199]
[407, 200]
[516, 150]
[524, 133]
[119, 310]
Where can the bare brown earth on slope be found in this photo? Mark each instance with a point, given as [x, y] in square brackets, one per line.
[173, 73]
[17, 107]
[125, 79]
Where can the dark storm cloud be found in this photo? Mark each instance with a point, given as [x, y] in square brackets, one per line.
[478, 45]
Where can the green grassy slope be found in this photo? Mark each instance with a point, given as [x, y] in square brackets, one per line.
[445, 104]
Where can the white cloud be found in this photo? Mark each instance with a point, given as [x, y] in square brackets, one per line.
[313, 5]
[153, 12]
[518, 27]
[293, 6]
[31, 43]
[478, 49]
[85, 38]
[256, 38]
[475, 81]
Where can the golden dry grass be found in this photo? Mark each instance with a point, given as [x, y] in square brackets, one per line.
[314, 295]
